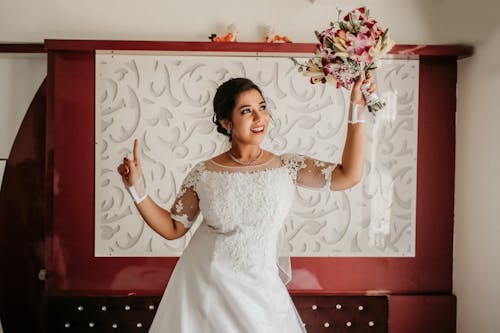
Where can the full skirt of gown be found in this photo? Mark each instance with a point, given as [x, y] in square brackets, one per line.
[228, 278]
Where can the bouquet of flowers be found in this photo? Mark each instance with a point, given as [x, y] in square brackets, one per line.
[350, 47]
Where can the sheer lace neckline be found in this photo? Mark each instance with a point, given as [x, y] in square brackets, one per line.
[244, 167]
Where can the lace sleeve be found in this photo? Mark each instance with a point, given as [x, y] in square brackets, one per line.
[185, 208]
[308, 172]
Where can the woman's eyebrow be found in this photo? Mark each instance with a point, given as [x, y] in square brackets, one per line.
[248, 105]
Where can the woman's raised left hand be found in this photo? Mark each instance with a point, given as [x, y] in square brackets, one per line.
[356, 93]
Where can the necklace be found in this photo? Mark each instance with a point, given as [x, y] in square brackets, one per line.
[234, 158]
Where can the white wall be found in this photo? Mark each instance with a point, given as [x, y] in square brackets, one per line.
[413, 21]
[476, 270]
[477, 192]
[177, 20]
[20, 78]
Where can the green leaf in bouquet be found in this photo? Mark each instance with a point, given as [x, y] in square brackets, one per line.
[369, 67]
[329, 43]
[385, 35]
[354, 24]
[351, 21]
[300, 66]
[317, 33]
[344, 26]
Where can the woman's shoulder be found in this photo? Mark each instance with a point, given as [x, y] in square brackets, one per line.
[197, 169]
[292, 158]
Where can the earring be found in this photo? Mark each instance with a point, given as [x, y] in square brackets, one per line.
[229, 132]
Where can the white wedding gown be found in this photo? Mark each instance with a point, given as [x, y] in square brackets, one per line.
[228, 278]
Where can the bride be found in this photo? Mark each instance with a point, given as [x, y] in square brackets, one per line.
[228, 278]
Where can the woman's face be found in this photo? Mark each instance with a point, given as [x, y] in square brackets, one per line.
[250, 118]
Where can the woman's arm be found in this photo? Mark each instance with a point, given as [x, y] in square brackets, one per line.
[315, 174]
[160, 220]
[156, 217]
[350, 172]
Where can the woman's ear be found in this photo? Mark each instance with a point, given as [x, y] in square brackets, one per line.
[226, 124]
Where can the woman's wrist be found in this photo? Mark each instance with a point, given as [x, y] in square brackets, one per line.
[137, 192]
[356, 114]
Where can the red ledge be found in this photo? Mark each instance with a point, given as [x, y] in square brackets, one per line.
[399, 51]
[22, 48]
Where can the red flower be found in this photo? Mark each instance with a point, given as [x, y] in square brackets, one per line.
[370, 24]
[357, 14]
[358, 44]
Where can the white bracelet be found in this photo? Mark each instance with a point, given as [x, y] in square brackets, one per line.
[355, 114]
[137, 192]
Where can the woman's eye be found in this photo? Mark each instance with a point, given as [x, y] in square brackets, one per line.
[245, 111]
[263, 108]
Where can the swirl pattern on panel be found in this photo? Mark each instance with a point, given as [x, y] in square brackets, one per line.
[166, 102]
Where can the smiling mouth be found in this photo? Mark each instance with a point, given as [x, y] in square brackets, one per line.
[257, 130]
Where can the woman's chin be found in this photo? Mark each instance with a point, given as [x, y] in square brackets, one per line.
[253, 139]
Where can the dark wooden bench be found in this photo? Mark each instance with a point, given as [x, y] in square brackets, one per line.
[323, 313]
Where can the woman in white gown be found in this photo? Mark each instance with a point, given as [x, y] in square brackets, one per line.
[228, 278]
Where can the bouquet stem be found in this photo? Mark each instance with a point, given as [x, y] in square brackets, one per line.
[373, 101]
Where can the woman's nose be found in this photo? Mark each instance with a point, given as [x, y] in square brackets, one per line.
[257, 115]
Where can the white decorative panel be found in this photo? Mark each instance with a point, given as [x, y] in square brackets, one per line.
[166, 102]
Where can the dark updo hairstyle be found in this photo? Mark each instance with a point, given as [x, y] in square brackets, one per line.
[225, 100]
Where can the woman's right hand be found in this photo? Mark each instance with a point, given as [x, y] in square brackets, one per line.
[130, 170]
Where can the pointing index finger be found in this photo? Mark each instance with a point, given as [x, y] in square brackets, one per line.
[136, 151]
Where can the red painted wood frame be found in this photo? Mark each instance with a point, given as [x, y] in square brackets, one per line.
[419, 288]
[72, 268]
[70, 241]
